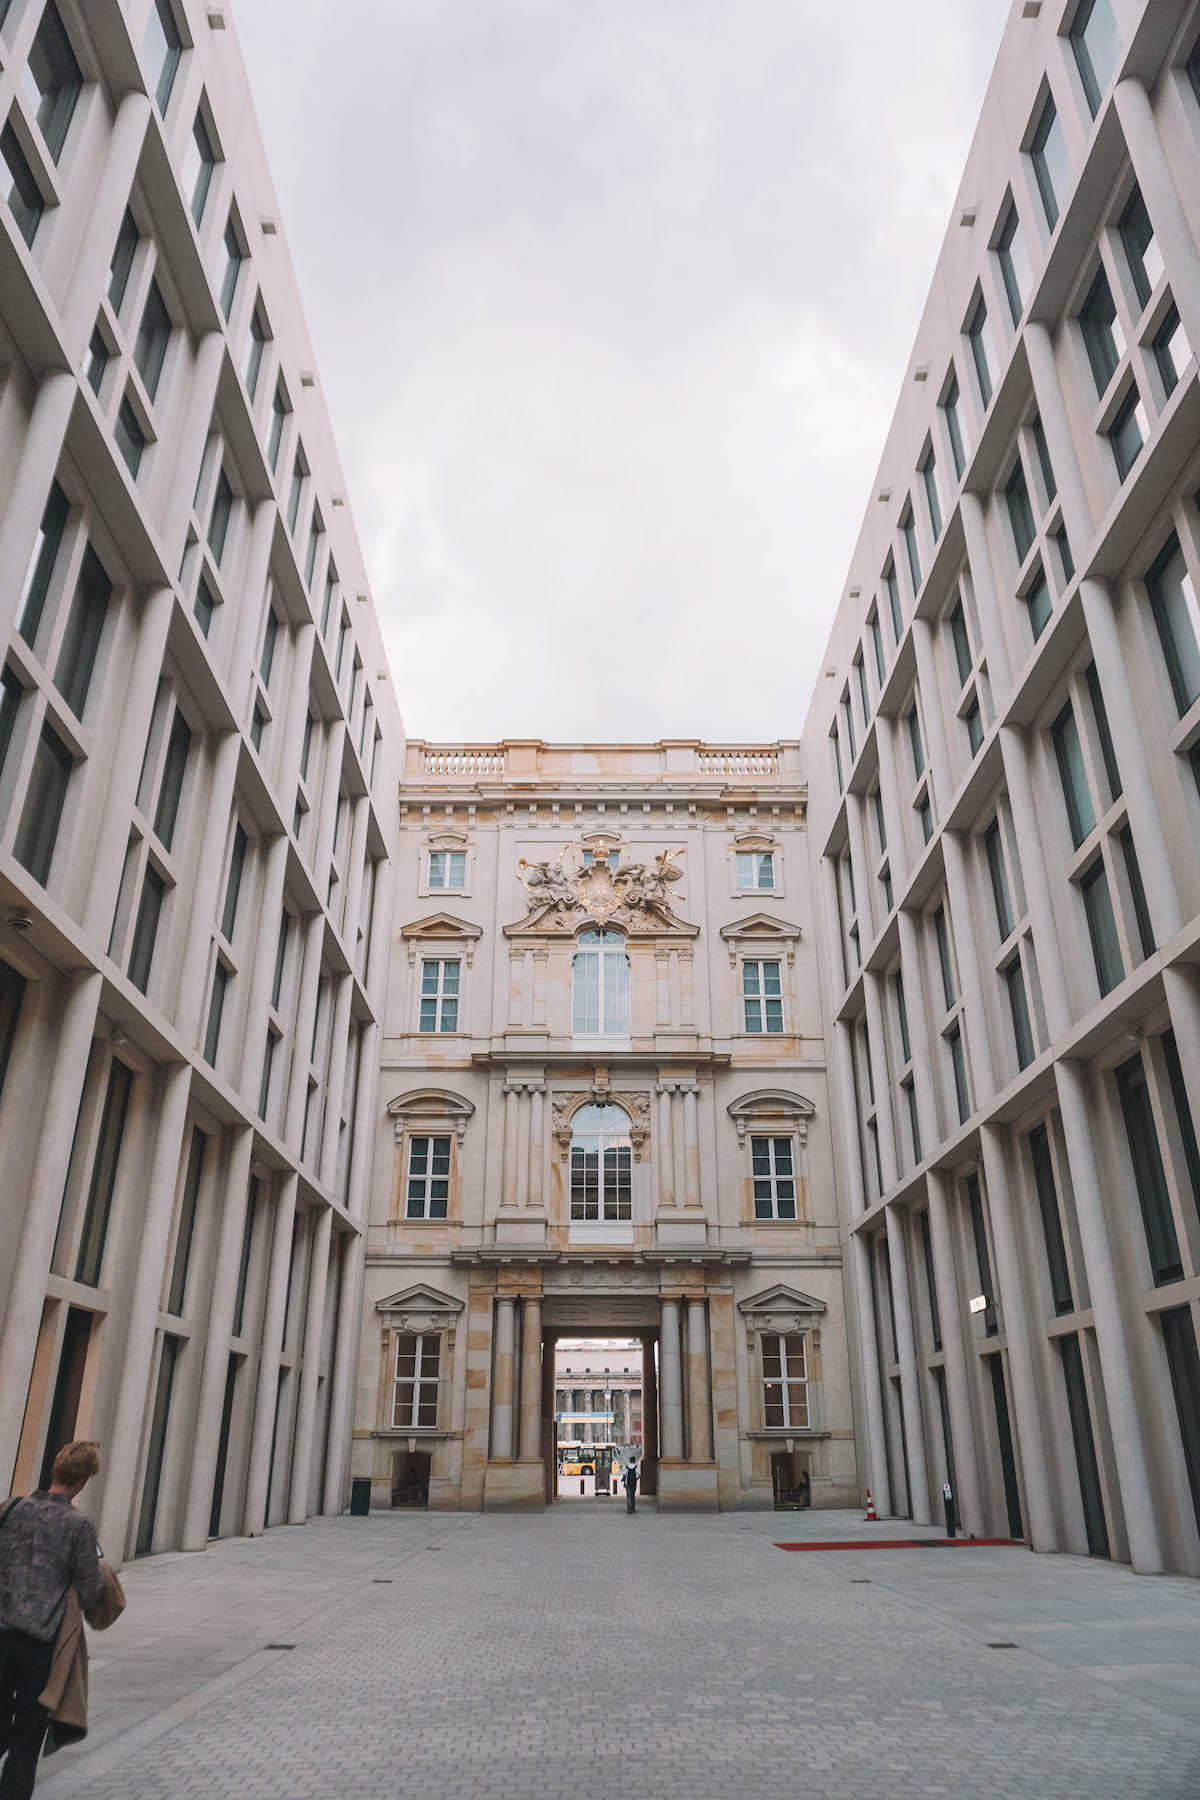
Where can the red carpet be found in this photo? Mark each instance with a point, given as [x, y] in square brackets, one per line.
[955, 1543]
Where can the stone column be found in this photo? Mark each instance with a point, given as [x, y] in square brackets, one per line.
[522, 1157]
[672, 1383]
[263, 1430]
[954, 1349]
[687, 994]
[244, 642]
[868, 1346]
[893, 814]
[910, 1394]
[345, 1351]
[666, 1146]
[287, 765]
[154, 1236]
[1129, 1450]
[205, 887]
[662, 988]
[537, 1145]
[691, 1145]
[306, 1000]
[35, 1249]
[1037, 884]
[188, 444]
[987, 604]
[649, 1419]
[962, 915]
[502, 1381]
[699, 1430]
[508, 1167]
[261, 972]
[306, 1411]
[104, 220]
[1183, 1001]
[918, 1031]
[331, 782]
[335, 1081]
[1161, 196]
[872, 993]
[1039, 1510]
[206, 1431]
[531, 1378]
[30, 477]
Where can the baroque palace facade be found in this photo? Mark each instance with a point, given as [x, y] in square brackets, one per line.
[602, 1112]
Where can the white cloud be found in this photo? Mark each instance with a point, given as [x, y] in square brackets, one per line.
[612, 305]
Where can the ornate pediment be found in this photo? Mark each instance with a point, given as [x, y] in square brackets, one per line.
[780, 1309]
[430, 1106]
[771, 1104]
[420, 1308]
[760, 929]
[441, 924]
[633, 898]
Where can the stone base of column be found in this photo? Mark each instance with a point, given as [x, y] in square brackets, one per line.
[520, 1229]
[514, 1487]
[679, 1226]
[687, 1487]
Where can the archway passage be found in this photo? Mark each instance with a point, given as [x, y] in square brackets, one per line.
[597, 1411]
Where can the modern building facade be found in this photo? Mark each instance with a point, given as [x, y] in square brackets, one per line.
[199, 760]
[1004, 766]
[602, 1112]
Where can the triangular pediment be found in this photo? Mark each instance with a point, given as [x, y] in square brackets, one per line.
[419, 1299]
[760, 925]
[781, 1299]
[441, 924]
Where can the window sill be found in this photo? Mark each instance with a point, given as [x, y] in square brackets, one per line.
[589, 1231]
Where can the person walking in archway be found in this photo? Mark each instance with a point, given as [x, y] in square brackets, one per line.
[629, 1477]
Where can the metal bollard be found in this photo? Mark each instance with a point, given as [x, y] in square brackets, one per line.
[948, 1504]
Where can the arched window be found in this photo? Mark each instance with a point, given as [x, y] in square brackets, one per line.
[600, 986]
[601, 1165]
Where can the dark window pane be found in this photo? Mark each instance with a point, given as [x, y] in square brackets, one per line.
[41, 564]
[54, 76]
[233, 886]
[81, 640]
[216, 1006]
[1069, 755]
[1099, 712]
[1179, 1339]
[935, 1322]
[12, 991]
[1102, 928]
[122, 261]
[1137, 893]
[150, 346]
[104, 1175]
[983, 1261]
[146, 929]
[1150, 1179]
[1014, 980]
[130, 438]
[187, 1222]
[1052, 1231]
[1177, 621]
[1085, 1447]
[1183, 1112]
[38, 830]
[167, 810]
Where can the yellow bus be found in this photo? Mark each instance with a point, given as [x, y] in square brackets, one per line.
[576, 1458]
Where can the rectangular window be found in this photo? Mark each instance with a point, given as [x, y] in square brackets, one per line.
[860, 676]
[279, 413]
[150, 346]
[785, 1383]
[38, 830]
[893, 594]
[161, 50]
[1149, 1176]
[1102, 927]
[1128, 432]
[1014, 264]
[935, 1323]
[942, 935]
[306, 745]
[973, 721]
[130, 438]
[167, 810]
[1179, 1340]
[836, 748]
[925, 815]
[257, 336]
[999, 875]
[1018, 1007]
[963, 659]
[218, 519]
[1020, 512]
[122, 261]
[12, 992]
[103, 1182]
[1069, 754]
[902, 1015]
[21, 191]
[268, 1066]
[880, 826]
[1051, 164]
[235, 256]
[428, 1178]
[914, 1123]
[914, 738]
[1038, 605]
[216, 1007]
[1088, 1468]
[1096, 43]
[1100, 714]
[774, 1177]
[198, 164]
[281, 947]
[755, 869]
[447, 868]
[266, 661]
[145, 929]
[1172, 352]
[1141, 249]
[239, 1305]
[908, 531]
[258, 725]
[415, 1390]
[762, 997]
[877, 646]
[983, 1260]
[1177, 620]
[601, 1178]
[1183, 1112]
[1102, 333]
[981, 354]
[1137, 893]
[932, 499]
[10, 700]
[1052, 1231]
[958, 1063]
[97, 361]
[848, 722]
[954, 427]
[52, 80]
[315, 528]
[1038, 432]
[294, 493]
[1064, 553]
[187, 1222]
[439, 996]
[233, 884]
[41, 564]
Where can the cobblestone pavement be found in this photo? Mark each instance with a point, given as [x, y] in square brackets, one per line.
[587, 1654]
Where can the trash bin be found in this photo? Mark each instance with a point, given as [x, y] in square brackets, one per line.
[360, 1496]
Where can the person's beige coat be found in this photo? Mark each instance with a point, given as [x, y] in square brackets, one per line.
[65, 1695]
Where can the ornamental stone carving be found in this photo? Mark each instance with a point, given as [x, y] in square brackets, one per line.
[634, 895]
[564, 1106]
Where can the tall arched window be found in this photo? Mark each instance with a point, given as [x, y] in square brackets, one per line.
[600, 986]
[601, 1165]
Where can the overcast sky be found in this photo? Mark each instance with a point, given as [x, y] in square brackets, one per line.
[611, 303]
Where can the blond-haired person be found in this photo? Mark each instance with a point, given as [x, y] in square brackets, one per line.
[46, 1548]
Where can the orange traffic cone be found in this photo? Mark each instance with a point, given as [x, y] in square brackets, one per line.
[872, 1515]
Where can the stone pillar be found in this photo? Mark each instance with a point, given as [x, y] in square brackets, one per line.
[205, 887]
[1037, 883]
[910, 1394]
[691, 1145]
[345, 1350]
[306, 1000]
[868, 1347]
[502, 1381]
[918, 1031]
[154, 1235]
[335, 1081]
[261, 972]
[872, 992]
[263, 1430]
[244, 644]
[1183, 1001]
[537, 1146]
[687, 994]
[662, 988]
[666, 1146]
[1129, 1450]
[672, 1383]
[699, 1428]
[649, 1419]
[893, 814]
[508, 1166]
[978, 1043]
[30, 477]
[958, 1393]
[206, 1431]
[306, 1411]
[35, 1249]
[1038, 1508]
[522, 1148]
[531, 1378]
[1161, 196]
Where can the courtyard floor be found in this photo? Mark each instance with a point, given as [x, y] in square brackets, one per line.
[584, 1653]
